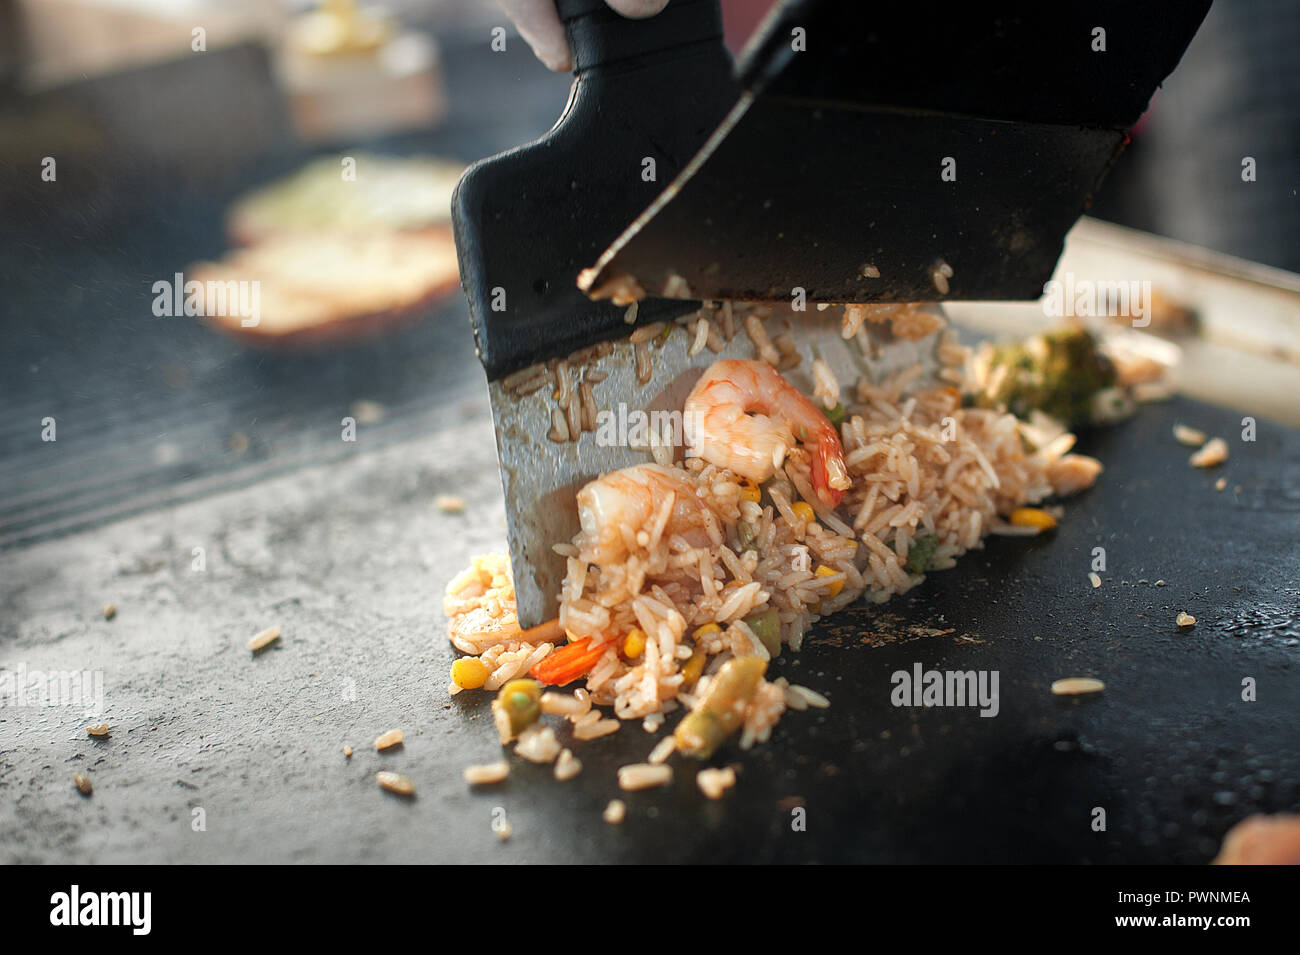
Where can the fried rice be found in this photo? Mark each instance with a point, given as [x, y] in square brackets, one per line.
[930, 478]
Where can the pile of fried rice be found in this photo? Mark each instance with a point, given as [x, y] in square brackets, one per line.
[931, 478]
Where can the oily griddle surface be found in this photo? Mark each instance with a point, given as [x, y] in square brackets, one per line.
[351, 558]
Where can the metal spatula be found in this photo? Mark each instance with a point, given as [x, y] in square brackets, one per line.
[821, 174]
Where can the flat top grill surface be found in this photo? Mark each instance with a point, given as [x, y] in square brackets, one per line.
[350, 559]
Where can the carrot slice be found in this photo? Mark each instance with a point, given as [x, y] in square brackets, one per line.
[568, 663]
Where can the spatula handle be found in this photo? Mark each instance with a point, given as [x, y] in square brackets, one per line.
[600, 37]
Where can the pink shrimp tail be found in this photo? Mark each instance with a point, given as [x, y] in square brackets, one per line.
[828, 448]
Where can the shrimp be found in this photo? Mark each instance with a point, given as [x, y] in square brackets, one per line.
[631, 497]
[745, 417]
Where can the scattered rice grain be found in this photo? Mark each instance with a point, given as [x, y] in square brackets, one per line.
[1212, 453]
[615, 812]
[264, 639]
[395, 783]
[1077, 686]
[643, 776]
[662, 750]
[484, 774]
[714, 782]
[567, 766]
[537, 744]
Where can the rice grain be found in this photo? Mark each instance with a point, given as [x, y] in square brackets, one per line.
[715, 782]
[484, 774]
[395, 783]
[615, 812]
[1214, 452]
[644, 776]
[264, 639]
[567, 766]
[1077, 686]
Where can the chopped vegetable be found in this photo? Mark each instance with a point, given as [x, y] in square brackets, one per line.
[722, 710]
[746, 535]
[749, 491]
[567, 663]
[694, 667]
[767, 627]
[522, 702]
[1110, 405]
[824, 571]
[707, 629]
[837, 415]
[920, 553]
[634, 643]
[805, 511]
[469, 673]
[1032, 517]
[1059, 373]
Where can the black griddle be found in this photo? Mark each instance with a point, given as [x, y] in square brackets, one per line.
[1169, 750]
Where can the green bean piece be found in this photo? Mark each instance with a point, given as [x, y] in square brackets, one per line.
[722, 710]
[921, 552]
[767, 627]
[746, 535]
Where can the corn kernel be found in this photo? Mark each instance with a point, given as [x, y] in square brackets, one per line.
[694, 668]
[805, 511]
[469, 673]
[824, 571]
[707, 629]
[1032, 517]
[634, 643]
[749, 491]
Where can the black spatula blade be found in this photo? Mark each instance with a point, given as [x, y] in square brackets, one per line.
[527, 221]
[901, 137]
